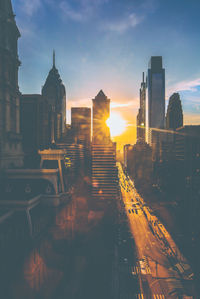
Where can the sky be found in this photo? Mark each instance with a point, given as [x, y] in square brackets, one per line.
[107, 44]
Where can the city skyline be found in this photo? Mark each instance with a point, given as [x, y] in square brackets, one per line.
[79, 219]
[113, 54]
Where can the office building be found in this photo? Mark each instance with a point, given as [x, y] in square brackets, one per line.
[35, 126]
[81, 124]
[155, 104]
[174, 117]
[104, 171]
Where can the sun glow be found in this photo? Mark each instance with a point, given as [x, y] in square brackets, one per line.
[116, 124]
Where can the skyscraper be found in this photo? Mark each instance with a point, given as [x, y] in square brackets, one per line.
[104, 172]
[141, 117]
[54, 92]
[155, 111]
[81, 124]
[174, 117]
[11, 154]
[101, 112]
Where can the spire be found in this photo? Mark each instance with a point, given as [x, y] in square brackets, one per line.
[101, 94]
[54, 59]
[143, 77]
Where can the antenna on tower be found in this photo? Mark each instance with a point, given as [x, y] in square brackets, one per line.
[54, 58]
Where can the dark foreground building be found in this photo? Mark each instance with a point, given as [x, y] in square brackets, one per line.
[11, 154]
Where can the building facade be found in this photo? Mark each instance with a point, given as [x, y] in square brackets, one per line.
[155, 110]
[11, 154]
[35, 126]
[81, 124]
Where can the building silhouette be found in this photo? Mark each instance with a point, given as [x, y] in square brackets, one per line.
[54, 92]
[11, 154]
[43, 117]
[155, 111]
[138, 163]
[81, 124]
[35, 126]
[101, 112]
[141, 116]
[174, 117]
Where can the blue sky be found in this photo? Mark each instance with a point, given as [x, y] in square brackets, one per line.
[106, 44]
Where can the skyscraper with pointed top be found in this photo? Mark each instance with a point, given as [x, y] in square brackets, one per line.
[101, 112]
[11, 154]
[54, 91]
[174, 117]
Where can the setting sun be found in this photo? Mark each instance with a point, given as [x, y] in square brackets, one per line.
[116, 124]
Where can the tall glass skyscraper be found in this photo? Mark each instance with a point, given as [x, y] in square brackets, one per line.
[155, 110]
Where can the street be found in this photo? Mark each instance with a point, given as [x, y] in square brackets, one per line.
[161, 268]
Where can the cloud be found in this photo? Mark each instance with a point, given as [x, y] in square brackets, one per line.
[71, 13]
[80, 10]
[29, 7]
[120, 26]
[191, 85]
[122, 105]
